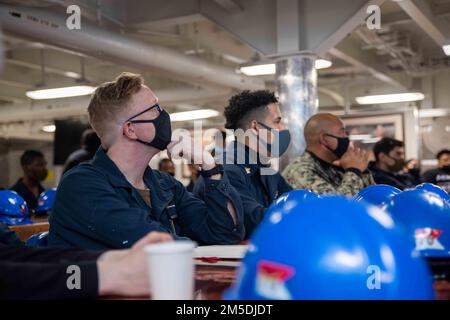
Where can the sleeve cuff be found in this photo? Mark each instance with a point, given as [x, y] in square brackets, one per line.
[89, 279]
[222, 185]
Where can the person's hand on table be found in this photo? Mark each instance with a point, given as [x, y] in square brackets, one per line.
[124, 272]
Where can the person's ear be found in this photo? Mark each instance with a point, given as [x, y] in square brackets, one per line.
[128, 131]
[382, 157]
[322, 139]
[254, 126]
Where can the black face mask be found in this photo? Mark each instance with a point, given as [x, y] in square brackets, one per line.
[342, 146]
[163, 128]
[446, 169]
[397, 165]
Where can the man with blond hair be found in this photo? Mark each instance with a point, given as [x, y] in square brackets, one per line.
[115, 199]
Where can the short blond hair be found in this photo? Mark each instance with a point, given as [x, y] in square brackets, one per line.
[109, 102]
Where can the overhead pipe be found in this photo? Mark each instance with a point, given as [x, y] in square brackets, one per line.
[51, 28]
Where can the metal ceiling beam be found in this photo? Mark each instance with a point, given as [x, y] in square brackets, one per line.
[346, 28]
[351, 52]
[115, 47]
[422, 14]
[230, 6]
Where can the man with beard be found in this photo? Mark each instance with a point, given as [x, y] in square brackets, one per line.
[389, 161]
[35, 171]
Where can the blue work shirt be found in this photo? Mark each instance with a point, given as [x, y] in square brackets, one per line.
[257, 191]
[97, 208]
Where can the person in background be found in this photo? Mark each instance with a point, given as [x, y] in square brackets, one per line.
[43, 273]
[35, 171]
[389, 161]
[441, 175]
[166, 165]
[257, 113]
[89, 145]
[193, 178]
[219, 144]
[412, 168]
[329, 165]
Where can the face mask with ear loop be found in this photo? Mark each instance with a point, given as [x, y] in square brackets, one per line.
[163, 128]
[398, 164]
[280, 141]
[342, 145]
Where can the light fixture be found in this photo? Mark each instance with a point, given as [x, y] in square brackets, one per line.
[270, 68]
[193, 115]
[390, 98]
[49, 128]
[72, 74]
[446, 49]
[323, 64]
[259, 69]
[63, 92]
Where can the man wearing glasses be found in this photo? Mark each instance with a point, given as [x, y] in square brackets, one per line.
[115, 199]
[329, 165]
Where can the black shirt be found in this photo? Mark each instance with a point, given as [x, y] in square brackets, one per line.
[8, 237]
[438, 177]
[77, 157]
[26, 194]
[42, 273]
[399, 180]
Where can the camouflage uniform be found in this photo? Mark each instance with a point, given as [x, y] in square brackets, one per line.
[310, 172]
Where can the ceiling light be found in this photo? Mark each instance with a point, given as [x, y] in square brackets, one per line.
[270, 68]
[71, 74]
[323, 64]
[60, 92]
[446, 49]
[49, 128]
[390, 98]
[193, 115]
[259, 69]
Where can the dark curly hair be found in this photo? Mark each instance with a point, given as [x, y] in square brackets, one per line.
[246, 106]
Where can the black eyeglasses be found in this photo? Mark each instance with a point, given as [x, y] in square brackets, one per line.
[157, 106]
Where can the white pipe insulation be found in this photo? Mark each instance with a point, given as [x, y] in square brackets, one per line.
[51, 28]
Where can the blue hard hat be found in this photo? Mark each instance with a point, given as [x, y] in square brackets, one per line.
[13, 209]
[376, 195]
[426, 220]
[38, 240]
[45, 201]
[435, 189]
[333, 249]
[288, 199]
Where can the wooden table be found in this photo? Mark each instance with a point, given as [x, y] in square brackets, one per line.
[40, 224]
[212, 281]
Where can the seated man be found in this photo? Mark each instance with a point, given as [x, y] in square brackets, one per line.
[43, 273]
[35, 171]
[329, 165]
[441, 175]
[389, 161]
[256, 112]
[166, 165]
[89, 145]
[115, 199]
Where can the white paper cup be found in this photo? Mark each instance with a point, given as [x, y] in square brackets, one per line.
[171, 270]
